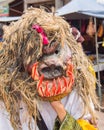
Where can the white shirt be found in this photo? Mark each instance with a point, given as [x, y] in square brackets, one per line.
[72, 103]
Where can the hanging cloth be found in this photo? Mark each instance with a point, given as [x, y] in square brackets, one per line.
[100, 30]
[90, 28]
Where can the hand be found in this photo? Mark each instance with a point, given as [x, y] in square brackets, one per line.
[94, 123]
[59, 108]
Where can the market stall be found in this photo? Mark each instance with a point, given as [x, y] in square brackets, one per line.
[8, 19]
[86, 9]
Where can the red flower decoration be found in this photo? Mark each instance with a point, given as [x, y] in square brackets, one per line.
[41, 31]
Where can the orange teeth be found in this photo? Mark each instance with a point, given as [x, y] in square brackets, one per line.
[48, 88]
[34, 74]
[70, 67]
[64, 88]
[40, 87]
[40, 91]
[40, 81]
[71, 81]
[71, 76]
[65, 81]
[53, 89]
[47, 93]
[59, 87]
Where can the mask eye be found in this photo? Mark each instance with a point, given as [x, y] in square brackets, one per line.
[56, 51]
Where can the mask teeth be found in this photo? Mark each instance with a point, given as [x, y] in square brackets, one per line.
[40, 81]
[70, 68]
[53, 89]
[35, 75]
[47, 92]
[65, 82]
[40, 91]
[59, 86]
[71, 80]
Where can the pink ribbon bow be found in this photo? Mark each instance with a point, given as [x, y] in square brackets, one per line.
[41, 31]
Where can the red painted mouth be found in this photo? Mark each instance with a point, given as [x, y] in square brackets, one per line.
[56, 86]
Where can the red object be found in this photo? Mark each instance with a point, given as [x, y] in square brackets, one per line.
[41, 31]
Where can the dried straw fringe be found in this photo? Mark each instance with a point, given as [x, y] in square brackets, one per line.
[23, 46]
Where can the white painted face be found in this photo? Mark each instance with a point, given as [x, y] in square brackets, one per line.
[54, 65]
[54, 72]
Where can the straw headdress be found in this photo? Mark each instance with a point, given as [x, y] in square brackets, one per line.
[23, 45]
